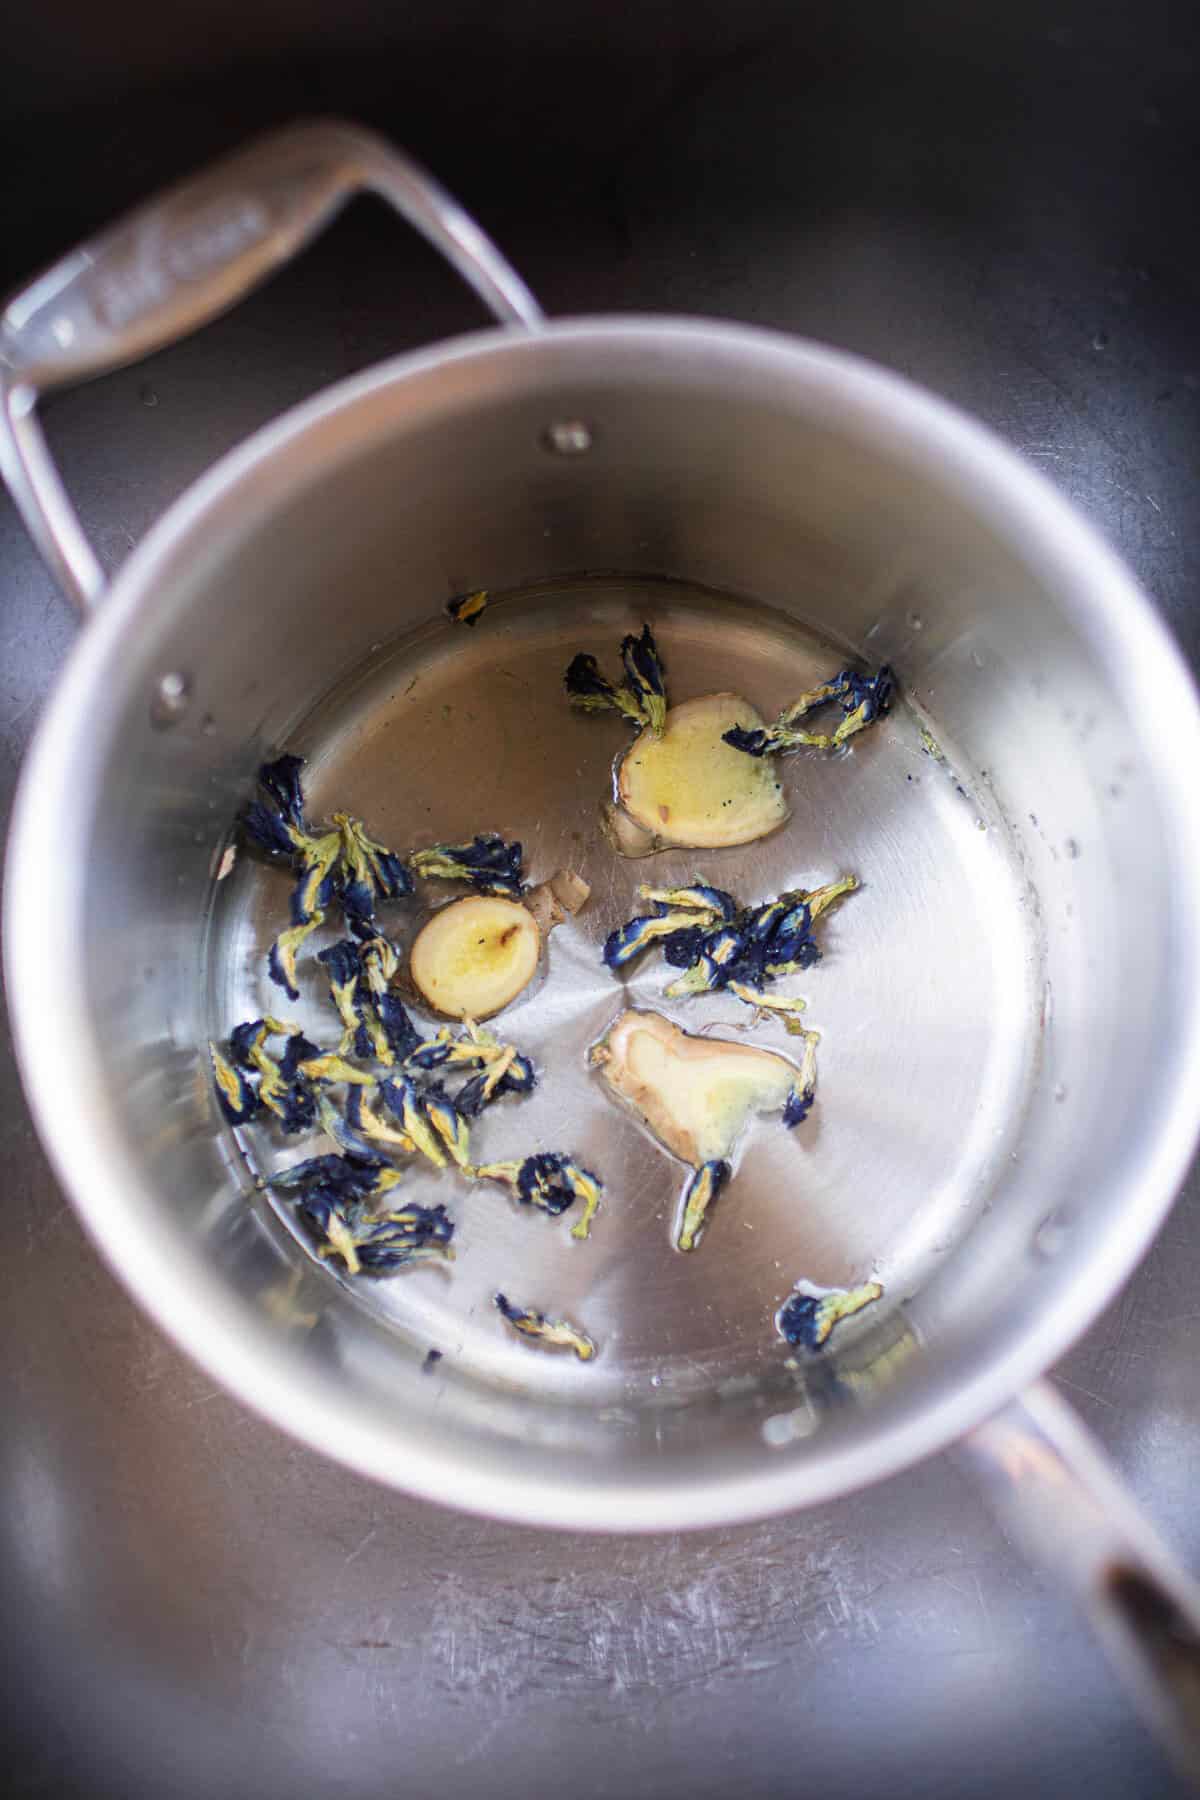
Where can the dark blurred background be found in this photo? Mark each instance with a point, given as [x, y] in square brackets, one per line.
[998, 199]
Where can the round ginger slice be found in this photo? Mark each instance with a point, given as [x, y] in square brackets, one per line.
[475, 956]
[690, 789]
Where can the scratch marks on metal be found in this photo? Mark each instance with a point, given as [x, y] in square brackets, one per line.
[665, 1618]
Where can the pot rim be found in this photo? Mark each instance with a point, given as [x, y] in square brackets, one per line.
[1105, 605]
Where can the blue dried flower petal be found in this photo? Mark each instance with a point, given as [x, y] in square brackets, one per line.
[467, 609]
[590, 691]
[637, 934]
[265, 828]
[404, 1103]
[328, 1066]
[238, 1100]
[297, 1050]
[401, 1034]
[542, 1181]
[644, 676]
[371, 873]
[862, 698]
[343, 960]
[755, 742]
[379, 964]
[448, 1123]
[641, 698]
[797, 1108]
[487, 863]
[808, 1317]
[551, 1181]
[698, 898]
[281, 958]
[397, 1239]
[340, 1176]
[342, 1127]
[245, 1039]
[553, 1334]
[281, 779]
[320, 877]
[295, 1107]
[519, 1077]
[433, 1053]
[362, 1118]
[682, 948]
[704, 1184]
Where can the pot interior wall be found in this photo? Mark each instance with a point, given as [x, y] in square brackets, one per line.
[292, 606]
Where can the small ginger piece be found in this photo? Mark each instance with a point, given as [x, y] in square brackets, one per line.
[688, 788]
[696, 1094]
[475, 956]
[558, 899]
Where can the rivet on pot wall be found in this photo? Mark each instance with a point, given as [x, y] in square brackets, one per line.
[171, 698]
[568, 437]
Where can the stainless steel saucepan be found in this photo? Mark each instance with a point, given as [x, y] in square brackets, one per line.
[1010, 1054]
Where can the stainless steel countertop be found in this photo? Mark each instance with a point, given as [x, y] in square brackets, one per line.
[195, 1607]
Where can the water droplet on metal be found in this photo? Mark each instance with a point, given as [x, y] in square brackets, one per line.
[1100, 341]
[568, 437]
[784, 1428]
[1060, 1092]
[977, 658]
[208, 725]
[147, 395]
[1072, 849]
[915, 622]
[171, 698]
[1050, 1236]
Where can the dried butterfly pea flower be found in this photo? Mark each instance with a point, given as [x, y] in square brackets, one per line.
[467, 609]
[283, 1087]
[268, 830]
[449, 1124]
[379, 963]
[800, 1099]
[637, 934]
[375, 1023]
[808, 1317]
[642, 698]
[281, 780]
[510, 1074]
[644, 677]
[344, 966]
[704, 1184]
[342, 1126]
[487, 863]
[552, 1334]
[698, 898]
[363, 1118]
[403, 1101]
[338, 1197]
[327, 1065]
[371, 873]
[743, 949]
[551, 1181]
[590, 691]
[235, 1092]
[401, 1034]
[412, 1234]
[862, 698]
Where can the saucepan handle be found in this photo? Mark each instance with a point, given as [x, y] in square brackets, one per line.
[1055, 1489]
[181, 260]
